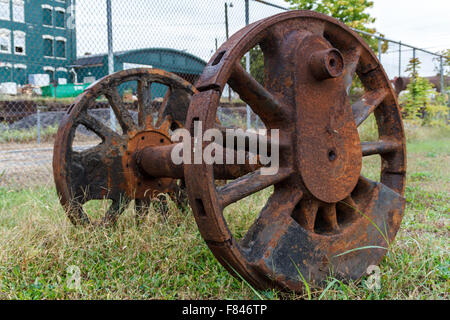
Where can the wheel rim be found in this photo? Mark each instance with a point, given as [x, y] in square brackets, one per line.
[287, 240]
[103, 172]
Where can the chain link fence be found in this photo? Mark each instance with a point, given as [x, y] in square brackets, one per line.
[51, 50]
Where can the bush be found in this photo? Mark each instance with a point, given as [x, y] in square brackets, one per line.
[421, 102]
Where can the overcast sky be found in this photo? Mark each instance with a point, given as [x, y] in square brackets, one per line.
[193, 25]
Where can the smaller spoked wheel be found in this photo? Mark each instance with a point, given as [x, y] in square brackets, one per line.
[323, 216]
[105, 168]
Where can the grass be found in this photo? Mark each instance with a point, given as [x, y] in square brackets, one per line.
[8, 135]
[37, 99]
[166, 258]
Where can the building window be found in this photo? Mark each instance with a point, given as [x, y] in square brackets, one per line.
[48, 46]
[5, 41]
[19, 42]
[4, 10]
[20, 74]
[51, 73]
[61, 75]
[18, 11]
[60, 47]
[59, 17]
[47, 15]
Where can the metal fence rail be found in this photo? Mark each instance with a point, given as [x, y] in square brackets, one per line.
[55, 49]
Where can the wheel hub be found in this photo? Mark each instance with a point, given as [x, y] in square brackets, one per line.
[139, 184]
[329, 149]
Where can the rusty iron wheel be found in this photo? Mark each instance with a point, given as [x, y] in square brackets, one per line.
[323, 216]
[107, 171]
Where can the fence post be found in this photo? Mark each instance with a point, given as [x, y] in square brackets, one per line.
[247, 59]
[442, 76]
[38, 125]
[414, 74]
[379, 49]
[112, 116]
[400, 59]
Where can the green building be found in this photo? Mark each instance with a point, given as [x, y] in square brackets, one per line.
[37, 37]
[93, 67]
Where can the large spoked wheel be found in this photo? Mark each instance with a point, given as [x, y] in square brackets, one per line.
[323, 216]
[107, 170]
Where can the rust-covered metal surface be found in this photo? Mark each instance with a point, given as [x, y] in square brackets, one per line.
[323, 217]
[321, 208]
[108, 170]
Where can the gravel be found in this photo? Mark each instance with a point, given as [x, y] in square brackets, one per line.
[53, 118]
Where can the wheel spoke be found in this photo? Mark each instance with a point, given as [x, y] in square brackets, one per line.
[260, 100]
[145, 109]
[305, 213]
[249, 184]
[162, 110]
[367, 104]
[380, 147]
[273, 221]
[91, 179]
[247, 139]
[115, 210]
[350, 203]
[330, 217]
[175, 105]
[351, 59]
[96, 126]
[91, 172]
[123, 116]
[85, 182]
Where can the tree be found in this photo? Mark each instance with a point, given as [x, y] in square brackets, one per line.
[256, 65]
[418, 100]
[351, 12]
[413, 68]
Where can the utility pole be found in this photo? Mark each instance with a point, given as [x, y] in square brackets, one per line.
[226, 20]
[227, 35]
[247, 60]
[400, 59]
[112, 116]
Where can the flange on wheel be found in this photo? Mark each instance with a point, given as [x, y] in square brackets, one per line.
[323, 217]
[108, 171]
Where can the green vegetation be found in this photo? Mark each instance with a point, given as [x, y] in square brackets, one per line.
[257, 64]
[166, 258]
[421, 102]
[8, 135]
[36, 99]
[353, 13]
